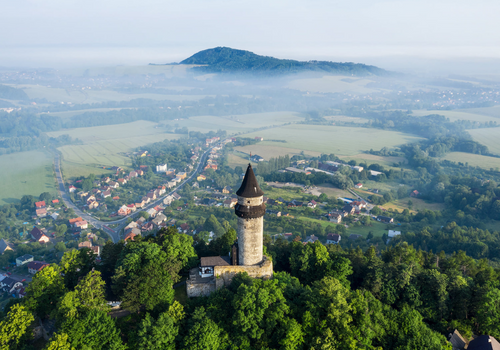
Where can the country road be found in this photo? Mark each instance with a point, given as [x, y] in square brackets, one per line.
[103, 225]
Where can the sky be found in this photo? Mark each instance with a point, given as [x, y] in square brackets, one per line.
[64, 33]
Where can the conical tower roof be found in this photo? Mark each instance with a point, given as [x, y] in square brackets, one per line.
[249, 187]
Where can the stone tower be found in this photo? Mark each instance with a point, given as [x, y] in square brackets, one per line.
[250, 212]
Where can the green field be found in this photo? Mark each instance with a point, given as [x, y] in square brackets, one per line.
[418, 204]
[88, 95]
[26, 173]
[235, 124]
[332, 84]
[488, 137]
[484, 162]
[461, 114]
[377, 228]
[347, 141]
[69, 114]
[106, 145]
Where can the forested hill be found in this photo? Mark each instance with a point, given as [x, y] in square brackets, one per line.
[225, 59]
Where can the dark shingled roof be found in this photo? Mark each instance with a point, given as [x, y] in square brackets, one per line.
[484, 342]
[250, 187]
[215, 261]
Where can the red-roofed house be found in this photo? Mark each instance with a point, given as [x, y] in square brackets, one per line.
[82, 224]
[55, 201]
[415, 193]
[312, 204]
[86, 244]
[40, 204]
[116, 198]
[41, 213]
[35, 266]
[71, 189]
[75, 220]
[132, 207]
[358, 185]
[122, 181]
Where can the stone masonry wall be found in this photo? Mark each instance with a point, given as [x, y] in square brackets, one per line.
[225, 274]
[250, 235]
[194, 289]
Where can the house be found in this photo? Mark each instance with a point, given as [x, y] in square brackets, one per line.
[208, 263]
[26, 258]
[158, 208]
[121, 181]
[132, 207]
[114, 184]
[256, 158]
[152, 212]
[161, 168]
[146, 199]
[176, 196]
[349, 209]
[335, 217]
[9, 285]
[227, 189]
[96, 250]
[415, 193]
[35, 266]
[41, 213]
[392, 234]
[106, 194]
[183, 228]
[115, 198]
[273, 212]
[168, 199]
[358, 185]
[72, 222]
[230, 203]
[385, 219]
[71, 189]
[258, 138]
[208, 201]
[149, 226]
[82, 224]
[333, 238]
[55, 201]
[312, 204]
[140, 173]
[38, 235]
[123, 211]
[484, 342]
[4, 246]
[151, 196]
[201, 177]
[159, 219]
[358, 205]
[40, 204]
[132, 174]
[86, 244]
[106, 179]
[90, 199]
[140, 204]
[311, 239]
[82, 194]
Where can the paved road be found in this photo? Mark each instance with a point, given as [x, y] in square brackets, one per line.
[103, 225]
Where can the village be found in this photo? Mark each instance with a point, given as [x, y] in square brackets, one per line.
[188, 208]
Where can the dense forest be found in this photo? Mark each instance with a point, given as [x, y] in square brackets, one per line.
[321, 297]
[228, 60]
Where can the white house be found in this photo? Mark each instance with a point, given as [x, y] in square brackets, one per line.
[392, 234]
[161, 168]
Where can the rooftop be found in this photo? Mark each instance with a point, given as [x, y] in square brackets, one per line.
[250, 187]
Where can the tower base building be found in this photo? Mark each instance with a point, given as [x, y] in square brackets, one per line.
[216, 272]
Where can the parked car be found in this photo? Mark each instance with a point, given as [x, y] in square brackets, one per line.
[24, 280]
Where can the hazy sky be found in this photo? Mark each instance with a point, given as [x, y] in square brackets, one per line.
[94, 32]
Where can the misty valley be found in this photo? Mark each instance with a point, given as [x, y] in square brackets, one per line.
[127, 211]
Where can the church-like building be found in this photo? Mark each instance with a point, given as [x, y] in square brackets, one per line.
[246, 255]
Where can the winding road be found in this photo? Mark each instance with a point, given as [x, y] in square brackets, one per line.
[103, 225]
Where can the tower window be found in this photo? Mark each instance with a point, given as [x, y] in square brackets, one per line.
[248, 202]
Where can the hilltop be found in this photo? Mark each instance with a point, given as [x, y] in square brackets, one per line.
[228, 60]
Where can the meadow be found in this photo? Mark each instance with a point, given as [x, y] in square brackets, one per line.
[417, 204]
[488, 137]
[484, 162]
[104, 146]
[339, 140]
[235, 124]
[26, 173]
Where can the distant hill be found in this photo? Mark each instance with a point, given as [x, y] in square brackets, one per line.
[227, 60]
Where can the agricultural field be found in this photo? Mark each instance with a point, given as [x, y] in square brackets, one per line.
[26, 173]
[235, 124]
[345, 141]
[346, 119]
[417, 204]
[104, 146]
[461, 114]
[333, 192]
[487, 111]
[488, 137]
[332, 84]
[377, 228]
[89, 95]
[484, 162]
